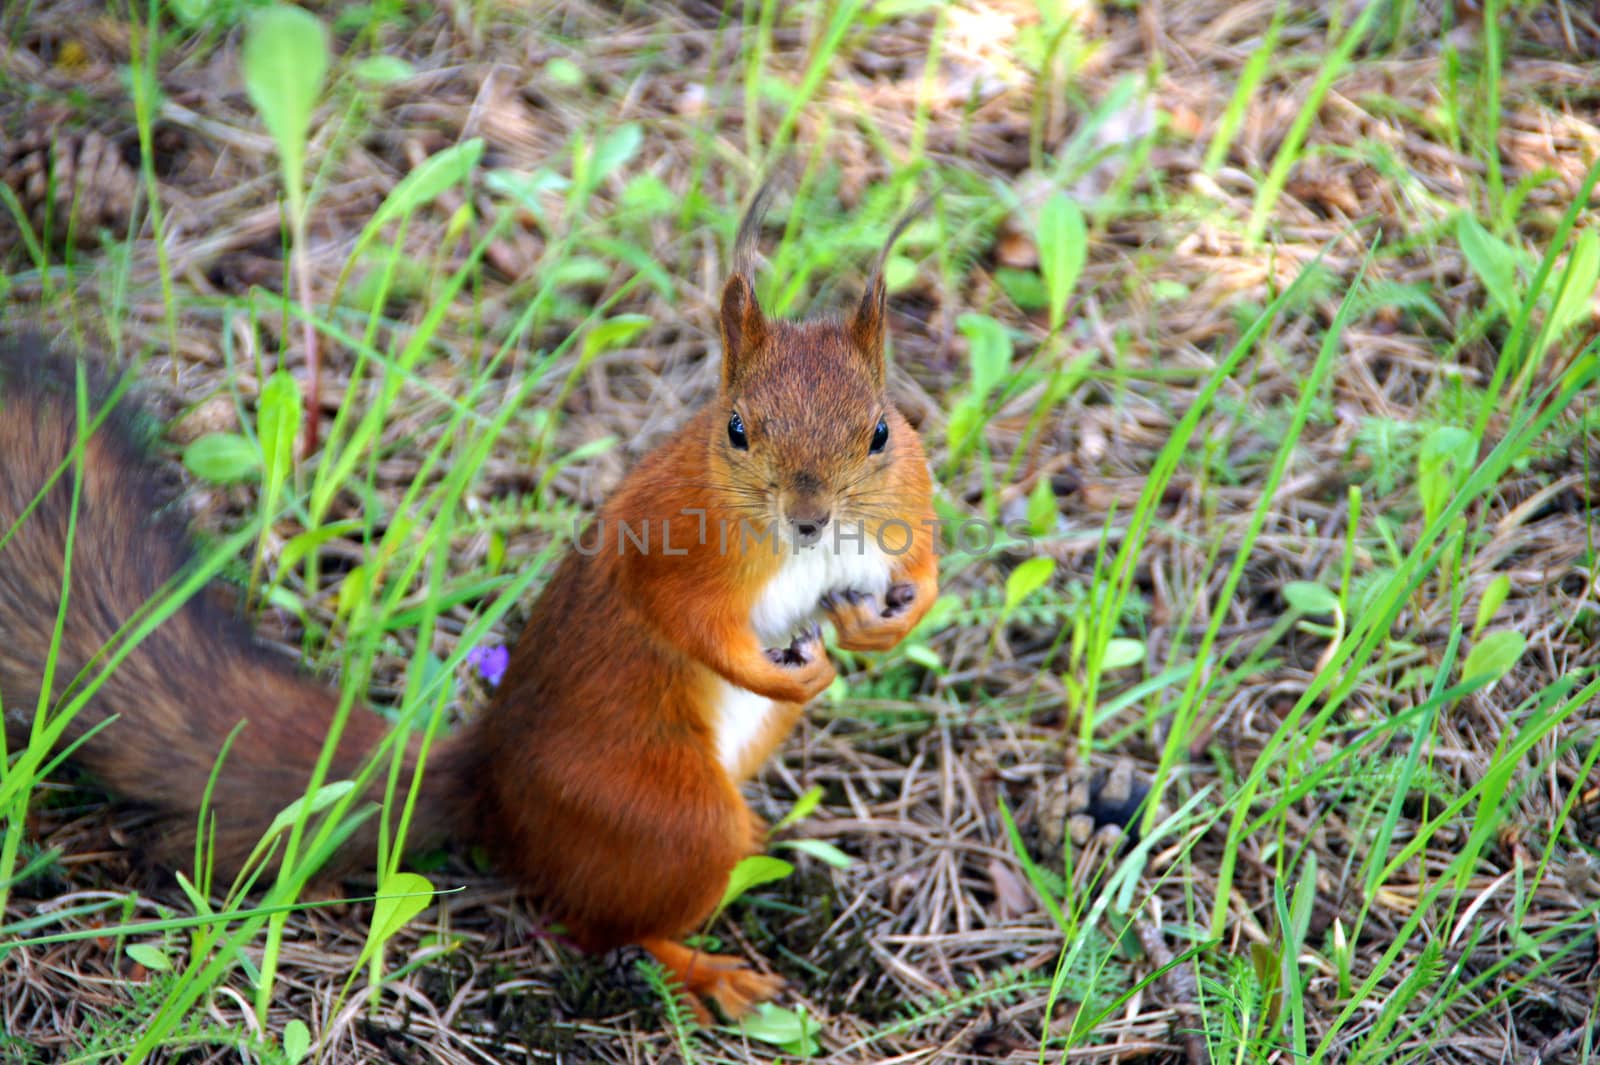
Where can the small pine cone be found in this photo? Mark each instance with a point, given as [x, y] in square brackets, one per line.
[79, 173]
[1087, 807]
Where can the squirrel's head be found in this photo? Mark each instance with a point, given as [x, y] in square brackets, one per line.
[807, 435]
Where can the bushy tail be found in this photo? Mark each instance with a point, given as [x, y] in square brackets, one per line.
[180, 692]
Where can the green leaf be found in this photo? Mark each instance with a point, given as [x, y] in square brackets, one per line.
[1494, 596]
[988, 351]
[427, 180]
[793, 1031]
[377, 70]
[1027, 578]
[1023, 287]
[613, 333]
[899, 272]
[1309, 597]
[1121, 652]
[823, 852]
[752, 872]
[564, 72]
[325, 797]
[1582, 276]
[966, 418]
[802, 808]
[296, 1041]
[401, 897]
[152, 958]
[222, 458]
[1063, 246]
[581, 270]
[648, 195]
[298, 547]
[353, 590]
[284, 61]
[528, 190]
[1042, 509]
[1443, 462]
[616, 148]
[1494, 261]
[278, 415]
[1493, 656]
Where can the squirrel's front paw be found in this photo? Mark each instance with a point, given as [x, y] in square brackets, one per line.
[866, 623]
[806, 662]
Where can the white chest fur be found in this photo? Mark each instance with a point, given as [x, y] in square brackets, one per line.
[790, 598]
[787, 602]
[742, 716]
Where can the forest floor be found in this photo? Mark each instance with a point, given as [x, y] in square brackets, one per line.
[1305, 453]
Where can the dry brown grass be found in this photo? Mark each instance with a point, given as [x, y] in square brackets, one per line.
[937, 904]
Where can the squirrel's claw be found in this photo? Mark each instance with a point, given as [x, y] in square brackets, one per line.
[866, 623]
[723, 979]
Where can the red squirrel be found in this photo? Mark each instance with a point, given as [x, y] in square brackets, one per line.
[670, 653]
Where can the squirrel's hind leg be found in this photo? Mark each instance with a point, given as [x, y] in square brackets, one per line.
[721, 978]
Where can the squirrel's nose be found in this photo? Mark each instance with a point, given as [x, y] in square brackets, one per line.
[808, 528]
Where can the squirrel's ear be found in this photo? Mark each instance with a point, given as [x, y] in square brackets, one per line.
[866, 325]
[744, 327]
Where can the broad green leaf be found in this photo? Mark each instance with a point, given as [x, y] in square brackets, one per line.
[353, 590]
[383, 70]
[564, 72]
[648, 195]
[528, 190]
[1042, 509]
[1492, 260]
[802, 808]
[278, 413]
[581, 270]
[899, 272]
[401, 897]
[923, 655]
[616, 148]
[1121, 652]
[1443, 461]
[989, 351]
[435, 174]
[222, 458]
[613, 333]
[284, 61]
[1493, 656]
[296, 1041]
[1063, 245]
[152, 958]
[1027, 578]
[966, 418]
[823, 852]
[1494, 596]
[752, 872]
[791, 1030]
[1576, 297]
[1024, 288]
[1310, 598]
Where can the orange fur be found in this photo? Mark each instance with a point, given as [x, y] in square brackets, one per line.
[608, 796]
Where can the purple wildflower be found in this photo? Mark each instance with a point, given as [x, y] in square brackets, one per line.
[490, 662]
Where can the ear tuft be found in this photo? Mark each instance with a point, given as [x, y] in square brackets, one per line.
[744, 328]
[866, 325]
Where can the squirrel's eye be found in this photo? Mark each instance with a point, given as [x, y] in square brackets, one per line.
[736, 435]
[880, 435]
